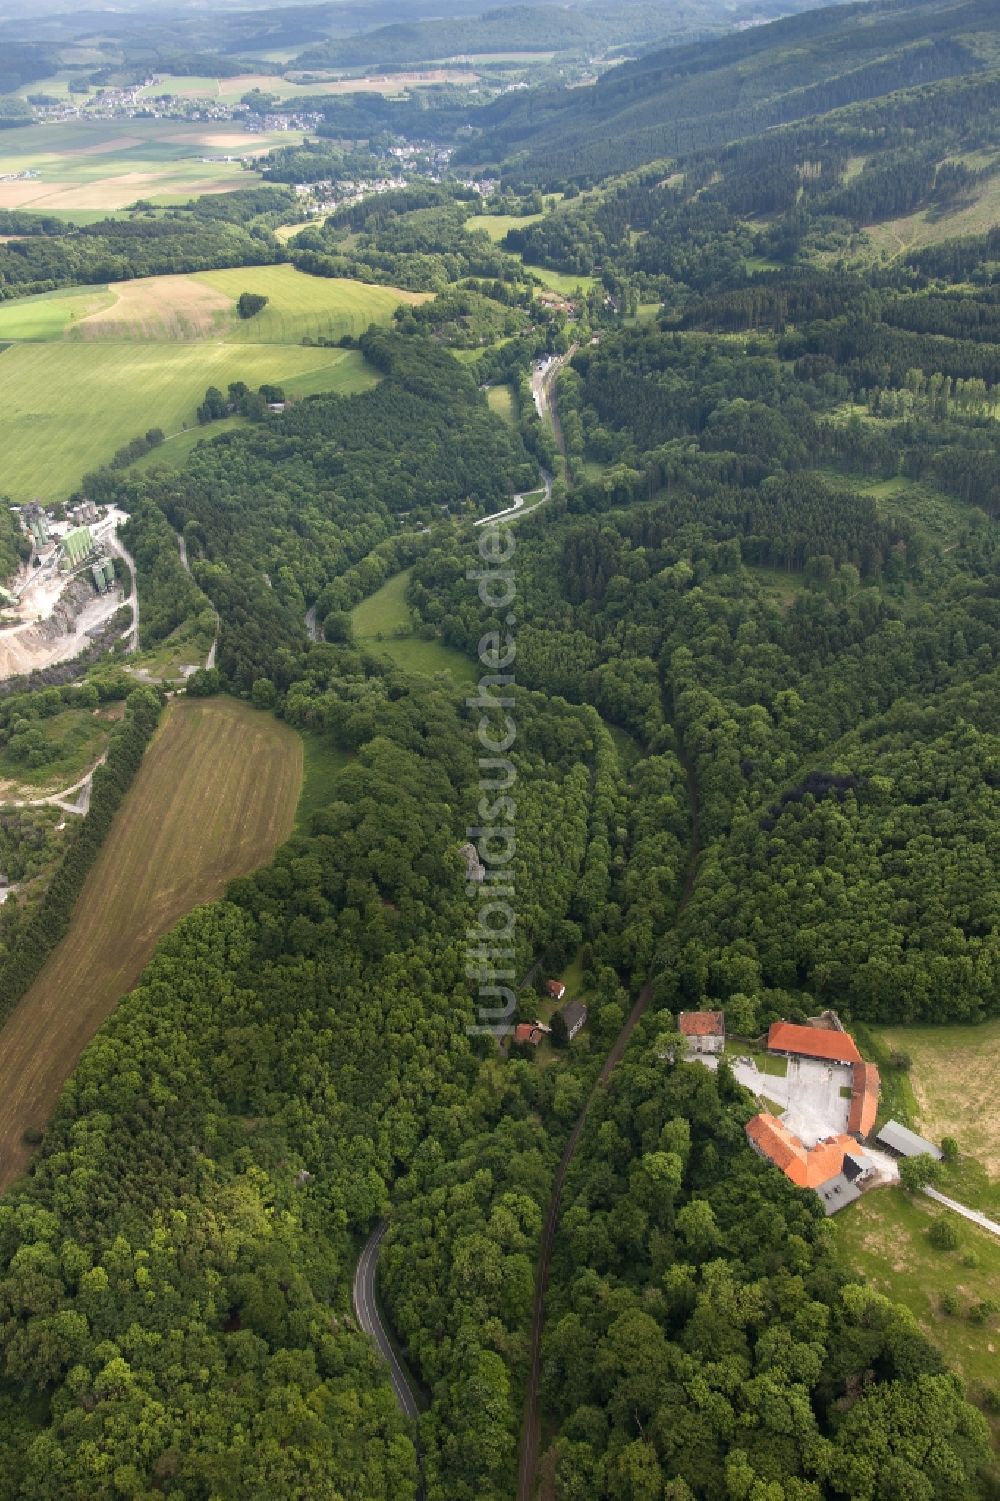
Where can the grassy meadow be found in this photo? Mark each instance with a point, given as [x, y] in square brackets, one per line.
[883, 1238]
[215, 796]
[502, 401]
[301, 305]
[87, 369]
[497, 225]
[384, 623]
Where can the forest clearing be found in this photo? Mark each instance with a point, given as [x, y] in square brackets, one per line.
[215, 796]
[384, 622]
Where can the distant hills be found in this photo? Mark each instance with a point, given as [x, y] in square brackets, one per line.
[679, 100]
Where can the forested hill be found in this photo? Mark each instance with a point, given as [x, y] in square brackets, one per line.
[679, 100]
[749, 663]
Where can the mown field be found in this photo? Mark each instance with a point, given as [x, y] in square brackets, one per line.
[69, 406]
[215, 796]
[301, 305]
[954, 1082]
[90, 166]
[383, 621]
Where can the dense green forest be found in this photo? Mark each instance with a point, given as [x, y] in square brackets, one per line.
[747, 687]
[233, 229]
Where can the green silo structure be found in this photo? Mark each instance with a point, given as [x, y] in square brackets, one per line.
[77, 546]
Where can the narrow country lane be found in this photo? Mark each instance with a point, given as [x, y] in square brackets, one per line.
[366, 1312]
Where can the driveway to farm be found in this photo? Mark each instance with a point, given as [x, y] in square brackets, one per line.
[368, 1316]
[967, 1214]
[809, 1094]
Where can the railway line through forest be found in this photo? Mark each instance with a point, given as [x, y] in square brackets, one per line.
[530, 1424]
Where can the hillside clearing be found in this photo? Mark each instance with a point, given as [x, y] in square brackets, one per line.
[883, 1240]
[215, 796]
[383, 622]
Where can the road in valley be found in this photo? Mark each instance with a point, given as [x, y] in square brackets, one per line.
[517, 508]
[366, 1311]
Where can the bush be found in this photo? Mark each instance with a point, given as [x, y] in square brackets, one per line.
[951, 1304]
[249, 304]
[942, 1235]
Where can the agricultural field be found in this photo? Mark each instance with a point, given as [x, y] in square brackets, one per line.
[384, 622]
[215, 796]
[301, 306]
[202, 305]
[231, 90]
[883, 1238]
[84, 168]
[69, 406]
[953, 1079]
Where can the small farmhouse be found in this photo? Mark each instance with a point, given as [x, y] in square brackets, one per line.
[835, 1168]
[556, 989]
[574, 1014]
[812, 1042]
[527, 1032]
[703, 1031]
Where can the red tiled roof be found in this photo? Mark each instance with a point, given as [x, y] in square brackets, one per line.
[701, 1023]
[812, 1042]
[864, 1099]
[807, 1169]
[556, 988]
[526, 1032]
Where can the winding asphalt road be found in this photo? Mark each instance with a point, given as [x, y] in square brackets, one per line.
[366, 1312]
